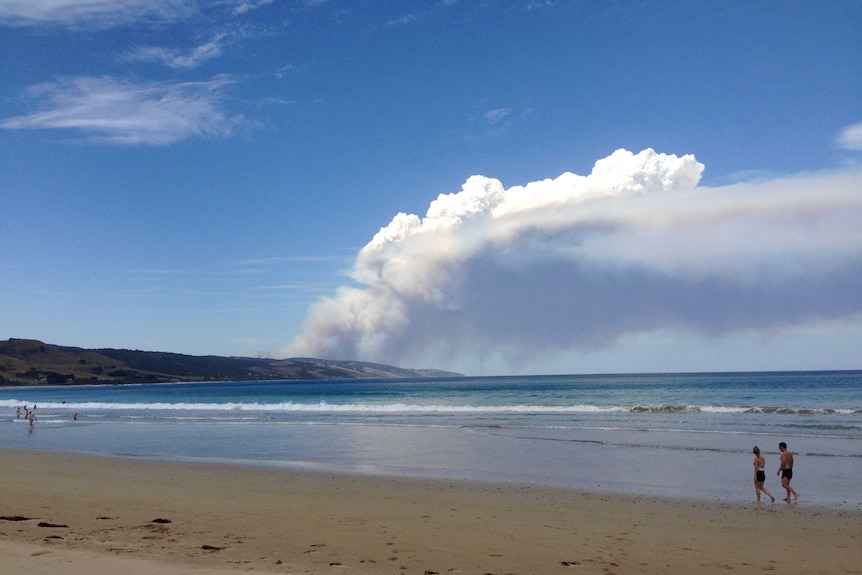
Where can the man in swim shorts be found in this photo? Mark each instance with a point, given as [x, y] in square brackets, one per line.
[786, 470]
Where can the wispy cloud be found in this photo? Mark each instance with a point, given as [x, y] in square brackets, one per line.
[178, 59]
[850, 138]
[316, 287]
[539, 4]
[249, 5]
[489, 123]
[579, 262]
[497, 115]
[293, 259]
[100, 13]
[401, 21]
[105, 109]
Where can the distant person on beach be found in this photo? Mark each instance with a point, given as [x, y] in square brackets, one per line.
[760, 475]
[786, 470]
[31, 417]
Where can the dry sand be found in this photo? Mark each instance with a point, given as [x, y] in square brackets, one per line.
[70, 514]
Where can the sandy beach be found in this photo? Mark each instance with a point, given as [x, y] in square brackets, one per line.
[77, 514]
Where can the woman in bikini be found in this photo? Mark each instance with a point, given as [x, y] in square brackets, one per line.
[760, 475]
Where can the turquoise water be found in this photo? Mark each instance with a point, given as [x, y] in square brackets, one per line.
[680, 434]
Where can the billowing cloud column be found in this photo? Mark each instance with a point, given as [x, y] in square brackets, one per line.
[579, 261]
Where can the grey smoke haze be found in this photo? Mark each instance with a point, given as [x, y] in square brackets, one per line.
[578, 262]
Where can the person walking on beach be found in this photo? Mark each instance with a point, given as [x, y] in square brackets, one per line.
[786, 470]
[31, 417]
[760, 475]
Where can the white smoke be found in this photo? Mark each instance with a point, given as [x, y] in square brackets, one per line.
[850, 138]
[580, 261]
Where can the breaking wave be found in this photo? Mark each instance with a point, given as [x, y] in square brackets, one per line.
[396, 407]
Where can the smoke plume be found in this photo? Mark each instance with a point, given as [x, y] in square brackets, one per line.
[577, 262]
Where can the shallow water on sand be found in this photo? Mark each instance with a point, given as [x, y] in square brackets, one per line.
[683, 435]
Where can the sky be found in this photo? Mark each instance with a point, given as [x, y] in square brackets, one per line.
[508, 187]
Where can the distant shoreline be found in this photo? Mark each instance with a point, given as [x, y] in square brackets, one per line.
[25, 362]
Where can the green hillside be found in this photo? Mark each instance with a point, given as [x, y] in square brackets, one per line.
[32, 362]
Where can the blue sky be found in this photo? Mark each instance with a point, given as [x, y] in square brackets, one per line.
[295, 178]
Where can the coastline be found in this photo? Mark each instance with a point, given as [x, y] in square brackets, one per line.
[234, 518]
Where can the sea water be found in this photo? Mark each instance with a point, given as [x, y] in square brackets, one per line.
[686, 435]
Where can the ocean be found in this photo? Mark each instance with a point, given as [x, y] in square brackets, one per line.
[679, 435]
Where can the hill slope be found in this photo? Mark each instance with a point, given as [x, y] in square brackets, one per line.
[32, 362]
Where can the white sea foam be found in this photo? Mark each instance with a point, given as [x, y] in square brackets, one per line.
[324, 407]
[399, 407]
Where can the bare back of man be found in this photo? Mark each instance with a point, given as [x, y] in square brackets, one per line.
[786, 470]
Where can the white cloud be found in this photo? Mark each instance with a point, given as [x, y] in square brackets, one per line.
[177, 59]
[581, 262]
[492, 123]
[249, 5]
[850, 138]
[494, 116]
[116, 111]
[93, 12]
[407, 19]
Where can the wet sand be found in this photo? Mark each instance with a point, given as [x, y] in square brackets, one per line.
[75, 514]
